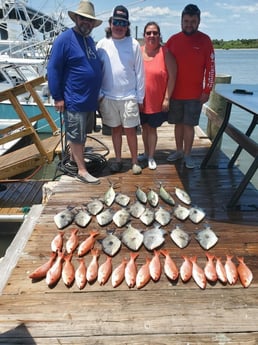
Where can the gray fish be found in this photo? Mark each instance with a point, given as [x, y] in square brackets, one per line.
[153, 198]
[105, 217]
[181, 212]
[121, 217]
[162, 216]
[137, 209]
[110, 195]
[206, 238]
[122, 199]
[132, 238]
[82, 218]
[154, 238]
[64, 218]
[196, 214]
[141, 195]
[111, 244]
[183, 196]
[147, 217]
[165, 196]
[180, 237]
[95, 206]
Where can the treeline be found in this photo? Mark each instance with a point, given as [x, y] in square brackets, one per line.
[235, 44]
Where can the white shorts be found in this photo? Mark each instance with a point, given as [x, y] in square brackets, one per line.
[119, 112]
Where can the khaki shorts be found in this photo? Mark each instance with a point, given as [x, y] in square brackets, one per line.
[119, 112]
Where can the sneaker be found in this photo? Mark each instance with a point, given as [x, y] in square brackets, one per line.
[189, 163]
[152, 164]
[142, 157]
[175, 156]
[136, 169]
[115, 167]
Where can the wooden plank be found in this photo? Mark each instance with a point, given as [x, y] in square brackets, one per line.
[163, 312]
[27, 158]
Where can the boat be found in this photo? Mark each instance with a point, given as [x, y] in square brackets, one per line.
[26, 37]
[14, 144]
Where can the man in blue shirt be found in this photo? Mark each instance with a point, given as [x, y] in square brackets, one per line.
[74, 79]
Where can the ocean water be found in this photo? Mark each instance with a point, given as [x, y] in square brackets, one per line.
[242, 66]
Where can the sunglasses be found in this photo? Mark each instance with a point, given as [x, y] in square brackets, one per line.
[155, 33]
[117, 22]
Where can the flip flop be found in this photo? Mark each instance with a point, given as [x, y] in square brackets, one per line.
[83, 179]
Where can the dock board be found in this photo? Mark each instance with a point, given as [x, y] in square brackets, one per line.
[163, 312]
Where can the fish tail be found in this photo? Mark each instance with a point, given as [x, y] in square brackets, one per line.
[164, 252]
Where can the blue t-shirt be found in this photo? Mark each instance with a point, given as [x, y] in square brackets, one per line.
[74, 72]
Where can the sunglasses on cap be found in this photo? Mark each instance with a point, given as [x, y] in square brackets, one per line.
[117, 22]
[155, 33]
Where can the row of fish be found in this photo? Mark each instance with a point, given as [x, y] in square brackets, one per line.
[213, 271]
[122, 216]
[138, 209]
[132, 238]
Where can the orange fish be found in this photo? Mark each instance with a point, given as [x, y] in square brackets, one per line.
[221, 272]
[54, 273]
[210, 268]
[231, 270]
[170, 267]
[186, 269]
[104, 271]
[88, 243]
[57, 242]
[198, 274]
[131, 270]
[72, 242]
[80, 274]
[155, 266]
[68, 272]
[41, 271]
[118, 274]
[143, 275]
[245, 274]
[92, 271]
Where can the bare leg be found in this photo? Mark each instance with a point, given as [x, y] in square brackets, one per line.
[145, 138]
[132, 142]
[179, 136]
[77, 151]
[152, 140]
[188, 139]
[117, 141]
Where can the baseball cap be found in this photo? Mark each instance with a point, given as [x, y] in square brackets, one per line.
[121, 13]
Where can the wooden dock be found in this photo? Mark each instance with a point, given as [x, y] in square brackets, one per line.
[163, 312]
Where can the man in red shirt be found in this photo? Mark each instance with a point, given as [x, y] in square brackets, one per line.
[195, 59]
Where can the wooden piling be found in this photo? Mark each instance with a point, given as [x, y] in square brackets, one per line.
[218, 104]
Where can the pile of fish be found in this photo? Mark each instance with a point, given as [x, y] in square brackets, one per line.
[147, 209]
[60, 266]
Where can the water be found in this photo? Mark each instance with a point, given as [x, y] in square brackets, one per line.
[242, 65]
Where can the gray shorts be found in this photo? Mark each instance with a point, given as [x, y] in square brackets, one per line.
[119, 112]
[78, 124]
[185, 111]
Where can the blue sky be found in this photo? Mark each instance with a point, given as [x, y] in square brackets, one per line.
[231, 19]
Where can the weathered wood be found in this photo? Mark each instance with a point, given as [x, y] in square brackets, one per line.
[163, 312]
[28, 158]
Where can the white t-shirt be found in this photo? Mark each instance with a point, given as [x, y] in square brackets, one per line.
[123, 69]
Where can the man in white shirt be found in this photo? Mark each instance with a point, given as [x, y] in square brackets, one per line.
[122, 89]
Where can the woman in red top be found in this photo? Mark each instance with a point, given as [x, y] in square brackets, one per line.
[160, 75]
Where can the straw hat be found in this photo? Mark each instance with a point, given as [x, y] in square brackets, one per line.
[85, 9]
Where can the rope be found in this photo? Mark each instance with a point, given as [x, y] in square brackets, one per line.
[95, 162]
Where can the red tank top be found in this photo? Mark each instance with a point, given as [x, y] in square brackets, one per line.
[156, 78]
